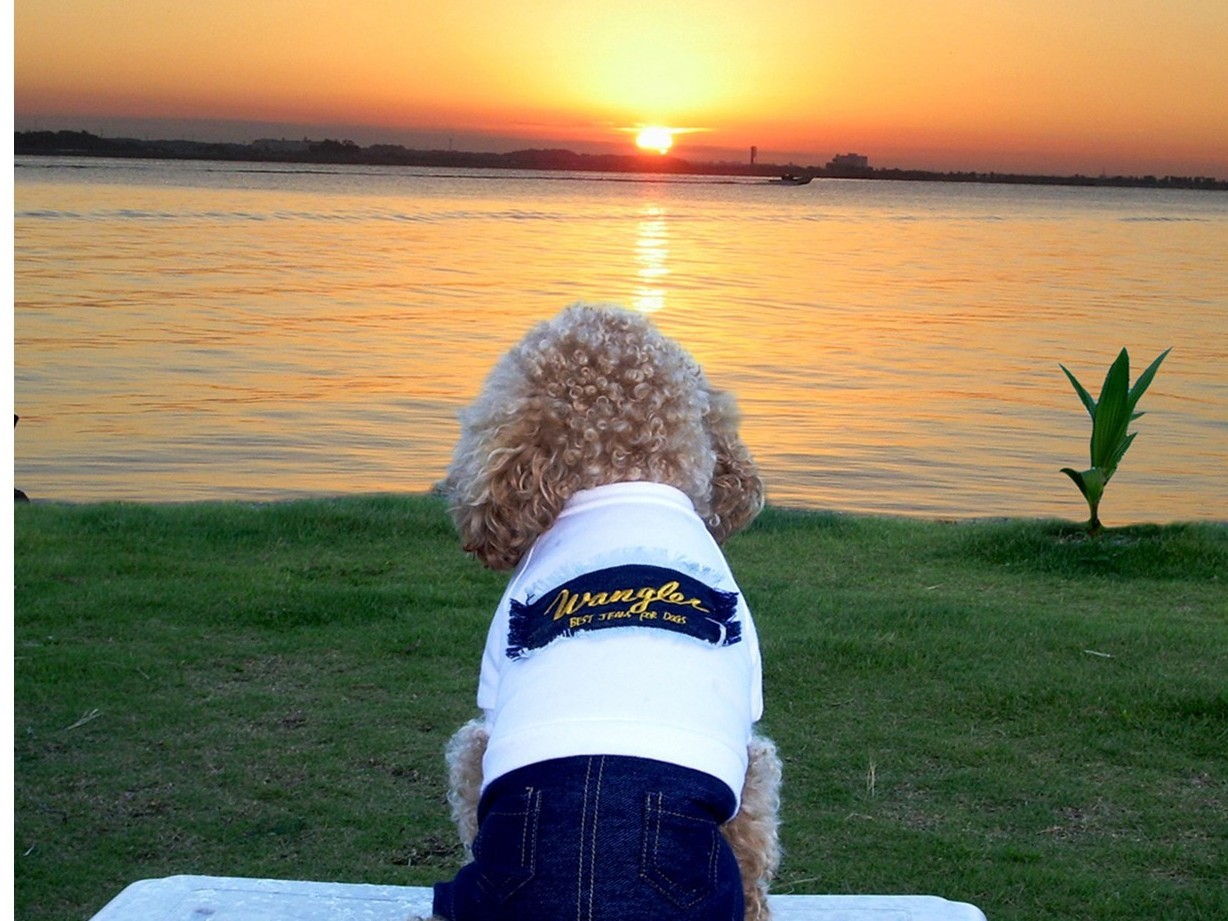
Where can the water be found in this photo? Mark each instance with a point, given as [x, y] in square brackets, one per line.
[190, 331]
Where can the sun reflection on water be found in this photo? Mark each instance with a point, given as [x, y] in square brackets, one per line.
[651, 256]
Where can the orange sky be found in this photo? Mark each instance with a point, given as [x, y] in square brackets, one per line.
[1131, 86]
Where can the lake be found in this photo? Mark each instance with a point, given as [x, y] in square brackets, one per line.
[202, 330]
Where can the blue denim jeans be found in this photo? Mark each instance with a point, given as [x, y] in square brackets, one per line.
[599, 838]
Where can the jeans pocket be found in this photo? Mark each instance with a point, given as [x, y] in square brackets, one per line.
[505, 849]
[680, 852]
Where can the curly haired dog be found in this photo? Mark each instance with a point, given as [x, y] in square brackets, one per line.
[615, 773]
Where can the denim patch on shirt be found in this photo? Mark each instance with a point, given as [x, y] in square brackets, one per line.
[625, 596]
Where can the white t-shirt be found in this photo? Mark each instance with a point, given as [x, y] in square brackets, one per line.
[622, 632]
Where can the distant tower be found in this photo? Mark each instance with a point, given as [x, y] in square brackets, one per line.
[754, 152]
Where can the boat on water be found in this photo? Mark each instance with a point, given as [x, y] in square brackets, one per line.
[791, 179]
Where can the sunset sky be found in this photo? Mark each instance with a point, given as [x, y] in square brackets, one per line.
[1131, 86]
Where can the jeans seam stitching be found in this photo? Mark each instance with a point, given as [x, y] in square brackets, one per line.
[592, 881]
[584, 819]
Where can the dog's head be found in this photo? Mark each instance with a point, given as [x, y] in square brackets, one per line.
[595, 396]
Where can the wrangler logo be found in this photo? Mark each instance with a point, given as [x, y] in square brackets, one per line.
[567, 603]
[625, 596]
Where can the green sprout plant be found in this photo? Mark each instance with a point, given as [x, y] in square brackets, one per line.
[1111, 418]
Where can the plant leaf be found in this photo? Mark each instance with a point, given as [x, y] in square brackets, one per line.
[1090, 482]
[1112, 414]
[1078, 480]
[1083, 394]
[1125, 446]
[1144, 380]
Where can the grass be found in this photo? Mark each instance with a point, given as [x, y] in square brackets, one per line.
[1005, 713]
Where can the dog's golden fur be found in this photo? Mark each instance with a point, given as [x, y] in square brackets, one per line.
[593, 397]
[753, 831]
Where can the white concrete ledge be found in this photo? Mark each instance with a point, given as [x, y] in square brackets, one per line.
[220, 898]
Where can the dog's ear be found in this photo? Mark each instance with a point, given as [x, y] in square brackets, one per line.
[505, 488]
[737, 489]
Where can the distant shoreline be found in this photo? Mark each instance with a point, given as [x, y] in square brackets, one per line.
[344, 152]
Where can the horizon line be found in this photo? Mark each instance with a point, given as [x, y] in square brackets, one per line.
[833, 168]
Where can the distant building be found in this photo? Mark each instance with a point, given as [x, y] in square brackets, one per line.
[849, 162]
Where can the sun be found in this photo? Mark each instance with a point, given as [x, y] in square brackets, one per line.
[655, 137]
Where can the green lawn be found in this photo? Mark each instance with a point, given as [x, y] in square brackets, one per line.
[1005, 713]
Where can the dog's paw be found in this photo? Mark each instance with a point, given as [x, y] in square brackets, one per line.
[754, 832]
[464, 758]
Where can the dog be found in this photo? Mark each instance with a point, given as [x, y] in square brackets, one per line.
[616, 774]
